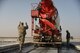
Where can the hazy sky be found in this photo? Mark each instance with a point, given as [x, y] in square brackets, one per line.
[13, 11]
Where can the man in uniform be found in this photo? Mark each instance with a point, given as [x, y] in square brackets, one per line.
[22, 33]
[67, 37]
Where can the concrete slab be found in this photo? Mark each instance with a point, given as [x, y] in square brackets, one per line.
[44, 50]
[77, 47]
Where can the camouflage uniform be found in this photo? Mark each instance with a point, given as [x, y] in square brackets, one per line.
[22, 33]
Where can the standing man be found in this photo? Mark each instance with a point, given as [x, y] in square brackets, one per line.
[22, 33]
[67, 37]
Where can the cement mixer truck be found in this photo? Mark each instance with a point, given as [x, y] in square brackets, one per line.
[46, 27]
